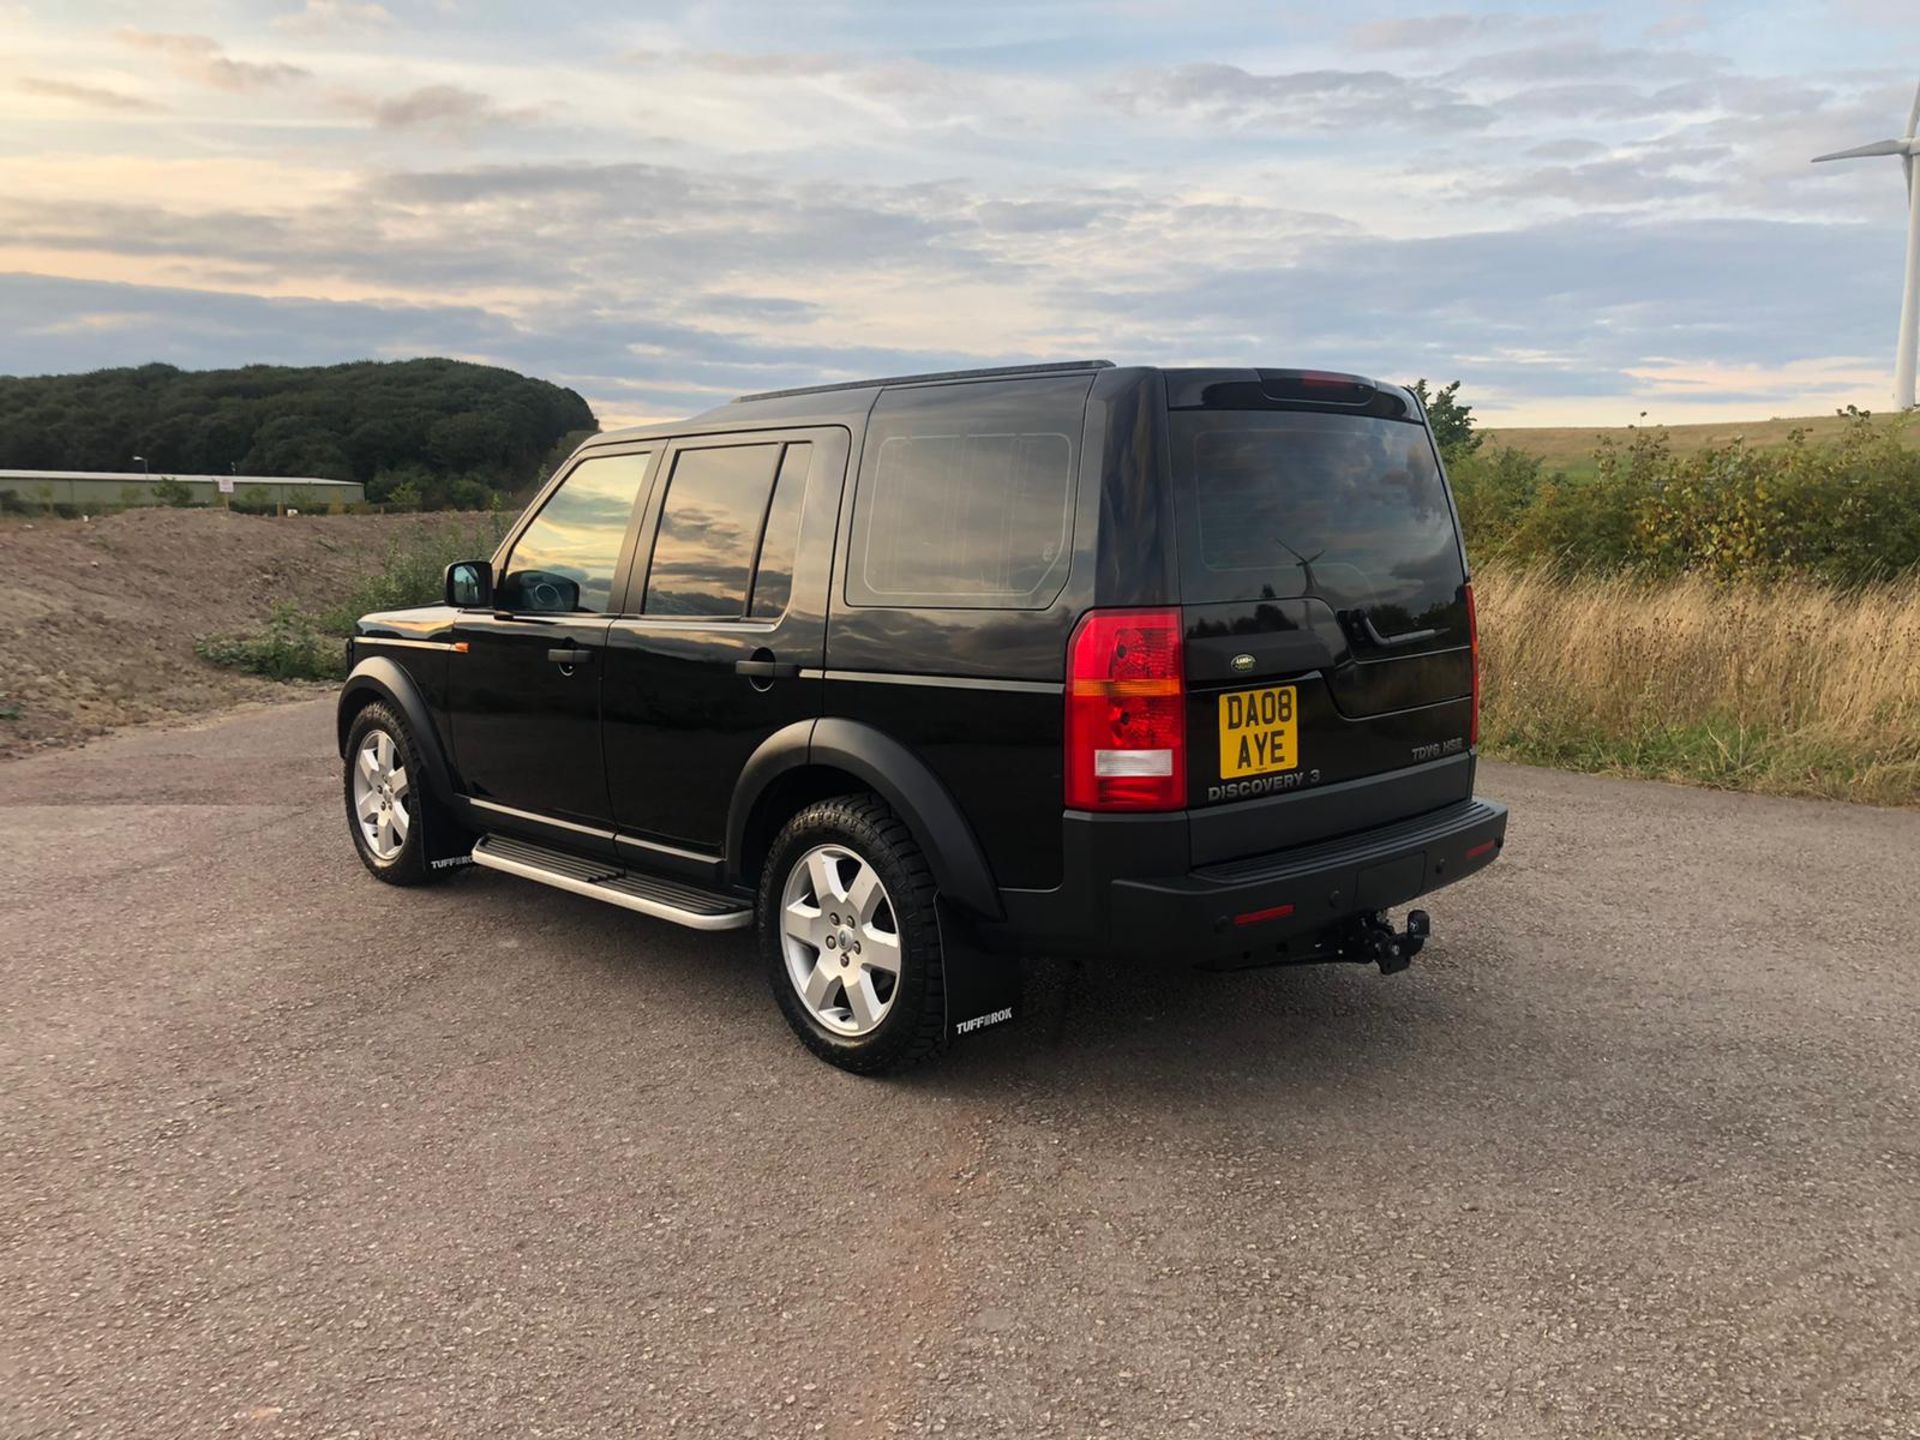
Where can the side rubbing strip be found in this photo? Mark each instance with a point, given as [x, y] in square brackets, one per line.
[947, 682]
[410, 644]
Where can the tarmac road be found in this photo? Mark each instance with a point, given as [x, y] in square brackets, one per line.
[1633, 1149]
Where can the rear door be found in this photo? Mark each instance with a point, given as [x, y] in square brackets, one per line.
[1324, 590]
[721, 638]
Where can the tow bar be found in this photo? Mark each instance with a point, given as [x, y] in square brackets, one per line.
[1372, 939]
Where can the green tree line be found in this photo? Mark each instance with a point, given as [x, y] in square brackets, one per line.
[427, 434]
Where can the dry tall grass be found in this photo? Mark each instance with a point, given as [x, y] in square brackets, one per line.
[1791, 688]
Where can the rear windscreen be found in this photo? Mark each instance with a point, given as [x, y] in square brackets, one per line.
[1283, 504]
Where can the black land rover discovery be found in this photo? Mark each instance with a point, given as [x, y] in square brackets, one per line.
[918, 675]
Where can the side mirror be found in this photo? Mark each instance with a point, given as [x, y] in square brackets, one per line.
[470, 584]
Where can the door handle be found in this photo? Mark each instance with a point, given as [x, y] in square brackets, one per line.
[767, 669]
[570, 655]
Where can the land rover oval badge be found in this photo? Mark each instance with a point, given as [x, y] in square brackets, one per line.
[1242, 662]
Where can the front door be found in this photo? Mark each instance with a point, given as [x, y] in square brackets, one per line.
[524, 700]
[724, 632]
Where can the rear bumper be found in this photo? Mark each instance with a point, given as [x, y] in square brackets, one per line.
[1261, 908]
[1251, 909]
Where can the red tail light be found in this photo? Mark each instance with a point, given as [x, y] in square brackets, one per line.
[1126, 712]
[1473, 655]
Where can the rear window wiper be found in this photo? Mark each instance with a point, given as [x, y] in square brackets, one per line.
[1364, 620]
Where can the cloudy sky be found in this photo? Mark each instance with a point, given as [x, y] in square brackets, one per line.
[1584, 211]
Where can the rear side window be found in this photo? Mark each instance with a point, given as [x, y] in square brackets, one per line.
[1281, 504]
[965, 495]
[563, 562]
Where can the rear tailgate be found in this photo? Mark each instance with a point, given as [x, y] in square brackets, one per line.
[1327, 635]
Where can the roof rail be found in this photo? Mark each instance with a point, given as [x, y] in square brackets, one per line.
[992, 372]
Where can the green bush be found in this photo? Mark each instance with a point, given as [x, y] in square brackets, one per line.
[1846, 512]
[289, 648]
[414, 570]
[1452, 421]
[297, 644]
[169, 491]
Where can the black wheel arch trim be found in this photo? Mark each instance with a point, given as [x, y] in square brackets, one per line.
[378, 675]
[895, 774]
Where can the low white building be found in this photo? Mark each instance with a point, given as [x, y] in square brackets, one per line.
[102, 489]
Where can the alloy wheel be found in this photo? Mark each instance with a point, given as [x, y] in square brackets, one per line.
[382, 795]
[841, 940]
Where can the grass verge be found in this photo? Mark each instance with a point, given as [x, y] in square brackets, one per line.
[1792, 688]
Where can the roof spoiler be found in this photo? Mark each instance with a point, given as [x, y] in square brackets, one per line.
[1272, 389]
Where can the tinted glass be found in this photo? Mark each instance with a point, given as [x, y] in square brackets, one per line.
[966, 494]
[1276, 504]
[709, 529]
[565, 560]
[773, 576]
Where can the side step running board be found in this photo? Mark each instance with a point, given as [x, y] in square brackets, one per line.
[687, 905]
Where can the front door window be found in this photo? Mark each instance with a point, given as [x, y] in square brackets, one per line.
[563, 563]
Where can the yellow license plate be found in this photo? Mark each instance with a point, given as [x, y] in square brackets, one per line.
[1259, 731]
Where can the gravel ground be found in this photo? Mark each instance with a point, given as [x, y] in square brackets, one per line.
[1632, 1150]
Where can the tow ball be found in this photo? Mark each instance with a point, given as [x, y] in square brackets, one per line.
[1372, 938]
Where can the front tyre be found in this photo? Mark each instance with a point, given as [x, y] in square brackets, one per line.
[388, 808]
[850, 939]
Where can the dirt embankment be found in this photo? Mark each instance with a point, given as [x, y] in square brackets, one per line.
[98, 618]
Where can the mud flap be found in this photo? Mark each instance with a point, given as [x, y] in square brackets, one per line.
[983, 985]
[447, 846]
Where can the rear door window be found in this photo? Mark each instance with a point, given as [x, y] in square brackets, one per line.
[1351, 510]
[965, 495]
[780, 544]
[710, 526]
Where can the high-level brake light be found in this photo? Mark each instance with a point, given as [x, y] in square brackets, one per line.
[1126, 741]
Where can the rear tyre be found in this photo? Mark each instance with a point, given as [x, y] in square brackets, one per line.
[388, 808]
[850, 938]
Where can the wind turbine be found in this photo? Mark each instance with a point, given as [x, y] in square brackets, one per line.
[1908, 149]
